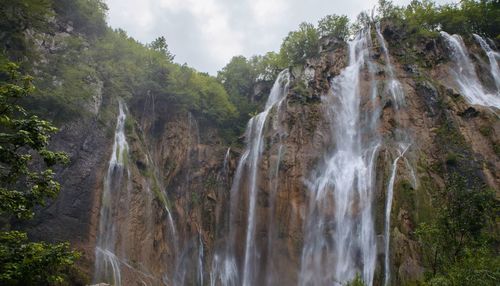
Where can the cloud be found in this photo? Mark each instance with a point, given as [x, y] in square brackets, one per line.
[207, 33]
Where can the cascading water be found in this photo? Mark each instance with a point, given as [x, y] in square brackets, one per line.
[394, 86]
[395, 89]
[465, 74]
[339, 237]
[225, 271]
[107, 263]
[390, 189]
[255, 131]
[493, 57]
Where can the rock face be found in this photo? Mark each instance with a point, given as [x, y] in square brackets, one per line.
[177, 210]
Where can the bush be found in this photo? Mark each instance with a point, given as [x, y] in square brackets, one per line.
[334, 26]
[300, 45]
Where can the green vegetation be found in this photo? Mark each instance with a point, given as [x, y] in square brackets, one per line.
[334, 26]
[26, 180]
[357, 281]
[466, 17]
[459, 243]
[301, 44]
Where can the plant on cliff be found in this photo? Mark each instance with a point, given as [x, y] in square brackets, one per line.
[18, 16]
[334, 26]
[160, 45]
[26, 180]
[465, 17]
[458, 245]
[301, 44]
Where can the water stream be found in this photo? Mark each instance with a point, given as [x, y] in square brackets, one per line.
[465, 74]
[339, 234]
[493, 57]
[107, 263]
[246, 177]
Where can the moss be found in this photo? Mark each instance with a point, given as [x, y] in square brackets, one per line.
[195, 198]
[485, 130]
[496, 148]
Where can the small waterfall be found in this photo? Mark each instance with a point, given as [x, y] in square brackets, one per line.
[225, 271]
[493, 57]
[390, 190]
[465, 74]
[339, 237]
[225, 164]
[255, 132]
[200, 259]
[393, 85]
[107, 264]
[402, 142]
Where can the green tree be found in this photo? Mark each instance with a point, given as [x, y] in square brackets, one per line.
[86, 16]
[160, 45]
[268, 66]
[18, 16]
[334, 26]
[457, 244]
[26, 180]
[300, 45]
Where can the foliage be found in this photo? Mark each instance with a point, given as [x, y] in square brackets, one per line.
[86, 16]
[300, 45]
[241, 76]
[160, 45]
[334, 26]
[268, 66]
[202, 93]
[27, 180]
[466, 17]
[357, 281]
[33, 263]
[23, 137]
[18, 16]
[457, 244]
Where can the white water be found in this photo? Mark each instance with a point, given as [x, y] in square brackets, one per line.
[390, 190]
[393, 85]
[465, 74]
[339, 237]
[493, 57]
[396, 91]
[225, 271]
[200, 259]
[107, 265]
[255, 132]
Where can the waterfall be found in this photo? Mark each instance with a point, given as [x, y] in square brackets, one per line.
[393, 85]
[403, 142]
[465, 74]
[390, 190]
[200, 259]
[492, 57]
[225, 270]
[107, 264]
[339, 237]
[255, 132]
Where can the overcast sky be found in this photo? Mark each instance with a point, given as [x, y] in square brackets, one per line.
[207, 33]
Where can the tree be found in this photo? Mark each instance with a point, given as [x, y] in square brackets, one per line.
[18, 16]
[26, 180]
[300, 45]
[334, 26]
[456, 245]
[160, 45]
